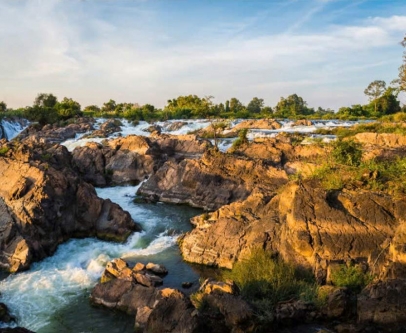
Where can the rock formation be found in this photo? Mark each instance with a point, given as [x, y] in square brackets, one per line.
[43, 202]
[133, 158]
[304, 224]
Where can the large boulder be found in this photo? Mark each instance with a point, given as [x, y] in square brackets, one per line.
[133, 158]
[383, 304]
[215, 180]
[43, 202]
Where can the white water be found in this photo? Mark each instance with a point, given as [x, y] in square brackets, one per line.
[192, 125]
[13, 128]
[58, 281]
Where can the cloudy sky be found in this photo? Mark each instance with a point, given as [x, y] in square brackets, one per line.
[148, 51]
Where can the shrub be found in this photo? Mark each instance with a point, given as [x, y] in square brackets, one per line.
[347, 152]
[265, 281]
[242, 138]
[352, 277]
[4, 150]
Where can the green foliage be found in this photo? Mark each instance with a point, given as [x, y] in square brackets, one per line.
[4, 150]
[242, 139]
[255, 105]
[68, 108]
[329, 177]
[3, 107]
[347, 152]
[351, 277]
[265, 281]
[292, 106]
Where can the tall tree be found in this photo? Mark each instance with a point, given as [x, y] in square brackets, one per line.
[68, 108]
[375, 90]
[45, 100]
[235, 105]
[255, 105]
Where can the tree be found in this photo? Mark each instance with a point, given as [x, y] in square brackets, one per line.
[236, 105]
[3, 107]
[375, 90]
[255, 105]
[68, 108]
[293, 105]
[387, 103]
[110, 106]
[91, 109]
[45, 100]
[227, 107]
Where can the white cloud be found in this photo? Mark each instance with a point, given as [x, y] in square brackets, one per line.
[59, 47]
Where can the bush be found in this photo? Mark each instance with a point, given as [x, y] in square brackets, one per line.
[347, 152]
[242, 139]
[265, 281]
[4, 150]
[351, 277]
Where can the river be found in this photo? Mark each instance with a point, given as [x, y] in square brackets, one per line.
[53, 295]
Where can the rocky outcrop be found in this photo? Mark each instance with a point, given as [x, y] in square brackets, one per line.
[54, 133]
[390, 140]
[302, 122]
[382, 304]
[132, 159]
[43, 202]
[258, 124]
[306, 225]
[109, 127]
[213, 181]
[280, 150]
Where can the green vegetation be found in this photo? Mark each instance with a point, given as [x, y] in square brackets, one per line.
[352, 277]
[395, 126]
[347, 152]
[265, 281]
[346, 169]
[4, 150]
[242, 139]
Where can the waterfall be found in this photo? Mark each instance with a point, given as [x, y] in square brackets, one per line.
[10, 128]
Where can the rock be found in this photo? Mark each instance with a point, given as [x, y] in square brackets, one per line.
[43, 202]
[156, 269]
[173, 313]
[292, 312]
[211, 182]
[109, 127]
[305, 224]
[154, 128]
[187, 285]
[134, 158]
[138, 267]
[5, 316]
[148, 280]
[174, 126]
[55, 134]
[15, 330]
[339, 303]
[390, 140]
[258, 124]
[142, 316]
[210, 286]
[383, 304]
[302, 122]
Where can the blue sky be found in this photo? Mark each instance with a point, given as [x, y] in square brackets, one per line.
[148, 51]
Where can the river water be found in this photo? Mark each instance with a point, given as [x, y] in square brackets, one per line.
[53, 295]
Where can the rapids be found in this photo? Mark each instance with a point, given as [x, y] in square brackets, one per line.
[53, 295]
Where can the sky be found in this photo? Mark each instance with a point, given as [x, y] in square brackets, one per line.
[149, 51]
